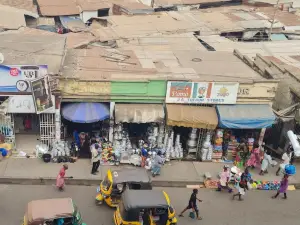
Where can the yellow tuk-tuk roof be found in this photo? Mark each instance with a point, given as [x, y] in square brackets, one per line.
[134, 199]
[130, 176]
[49, 209]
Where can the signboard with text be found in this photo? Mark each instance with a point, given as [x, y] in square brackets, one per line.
[16, 78]
[202, 92]
[41, 94]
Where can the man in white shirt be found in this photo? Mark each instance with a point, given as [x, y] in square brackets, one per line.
[95, 159]
[286, 158]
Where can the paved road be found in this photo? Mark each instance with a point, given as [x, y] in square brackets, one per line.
[217, 208]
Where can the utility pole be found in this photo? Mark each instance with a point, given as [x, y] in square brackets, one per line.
[273, 21]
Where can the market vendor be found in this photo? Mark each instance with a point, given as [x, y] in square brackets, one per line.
[224, 179]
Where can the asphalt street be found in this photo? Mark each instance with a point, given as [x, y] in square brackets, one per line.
[216, 209]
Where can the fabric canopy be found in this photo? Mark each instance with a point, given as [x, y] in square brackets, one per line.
[192, 116]
[139, 113]
[85, 112]
[245, 116]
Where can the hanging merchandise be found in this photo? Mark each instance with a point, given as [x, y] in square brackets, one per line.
[192, 142]
[206, 150]
[218, 142]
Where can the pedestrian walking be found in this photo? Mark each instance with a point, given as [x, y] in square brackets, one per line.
[266, 162]
[283, 187]
[95, 159]
[193, 204]
[60, 179]
[241, 190]
[286, 158]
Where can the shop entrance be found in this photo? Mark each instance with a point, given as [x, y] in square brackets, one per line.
[27, 132]
[86, 131]
[85, 124]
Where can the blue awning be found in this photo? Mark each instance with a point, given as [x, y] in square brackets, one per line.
[85, 112]
[245, 116]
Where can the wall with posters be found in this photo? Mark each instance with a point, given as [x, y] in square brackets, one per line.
[41, 94]
[24, 104]
[16, 79]
[202, 92]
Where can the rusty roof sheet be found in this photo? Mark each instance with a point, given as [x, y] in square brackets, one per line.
[24, 48]
[75, 40]
[144, 25]
[132, 5]
[92, 5]
[12, 18]
[147, 63]
[158, 3]
[20, 4]
[58, 7]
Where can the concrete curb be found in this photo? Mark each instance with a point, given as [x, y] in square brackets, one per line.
[95, 182]
[87, 182]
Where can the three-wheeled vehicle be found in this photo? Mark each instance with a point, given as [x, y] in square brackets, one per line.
[115, 183]
[139, 207]
[52, 212]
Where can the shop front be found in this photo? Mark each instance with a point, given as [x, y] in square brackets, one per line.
[192, 117]
[137, 126]
[187, 129]
[241, 123]
[84, 123]
[27, 117]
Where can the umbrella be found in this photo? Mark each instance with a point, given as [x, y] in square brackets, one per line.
[85, 112]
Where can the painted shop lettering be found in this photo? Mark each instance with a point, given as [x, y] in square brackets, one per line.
[244, 91]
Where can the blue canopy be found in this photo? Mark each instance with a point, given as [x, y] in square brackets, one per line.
[245, 116]
[85, 112]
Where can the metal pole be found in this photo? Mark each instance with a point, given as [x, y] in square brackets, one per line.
[273, 20]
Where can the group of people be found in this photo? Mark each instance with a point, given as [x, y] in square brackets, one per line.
[259, 157]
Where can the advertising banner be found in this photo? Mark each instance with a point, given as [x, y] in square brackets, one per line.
[17, 78]
[42, 95]
[202, 92]
[24, 104]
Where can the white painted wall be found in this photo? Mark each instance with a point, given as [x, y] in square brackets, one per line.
[86, 15]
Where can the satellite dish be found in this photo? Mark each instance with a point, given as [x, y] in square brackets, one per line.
[1, 58]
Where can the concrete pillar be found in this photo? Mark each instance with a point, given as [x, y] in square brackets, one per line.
[111, 122]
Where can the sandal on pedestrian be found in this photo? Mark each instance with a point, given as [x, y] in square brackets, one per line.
[181, 215]
[199, 218]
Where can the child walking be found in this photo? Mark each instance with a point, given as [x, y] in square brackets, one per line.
[283, 187]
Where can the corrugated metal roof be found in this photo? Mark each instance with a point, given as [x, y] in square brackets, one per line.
[13, 18]
[20, 4]
[134, 63]
[33, 49]
[58, 7]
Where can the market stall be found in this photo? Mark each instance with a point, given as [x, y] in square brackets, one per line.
[84, 124]
[238, 122]
[138, 126]
[191, 126]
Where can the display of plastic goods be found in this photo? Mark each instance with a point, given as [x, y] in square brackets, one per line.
[191, 143]
[204, 152]
[290, 169]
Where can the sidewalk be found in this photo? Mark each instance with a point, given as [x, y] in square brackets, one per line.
[175, 174]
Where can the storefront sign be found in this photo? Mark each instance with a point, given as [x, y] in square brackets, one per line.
[257, 90]
[42, 95]
[202, 92]
[16, 78]
[72, 87]
[23, 104]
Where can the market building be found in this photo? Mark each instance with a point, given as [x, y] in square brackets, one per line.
[28, 108]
